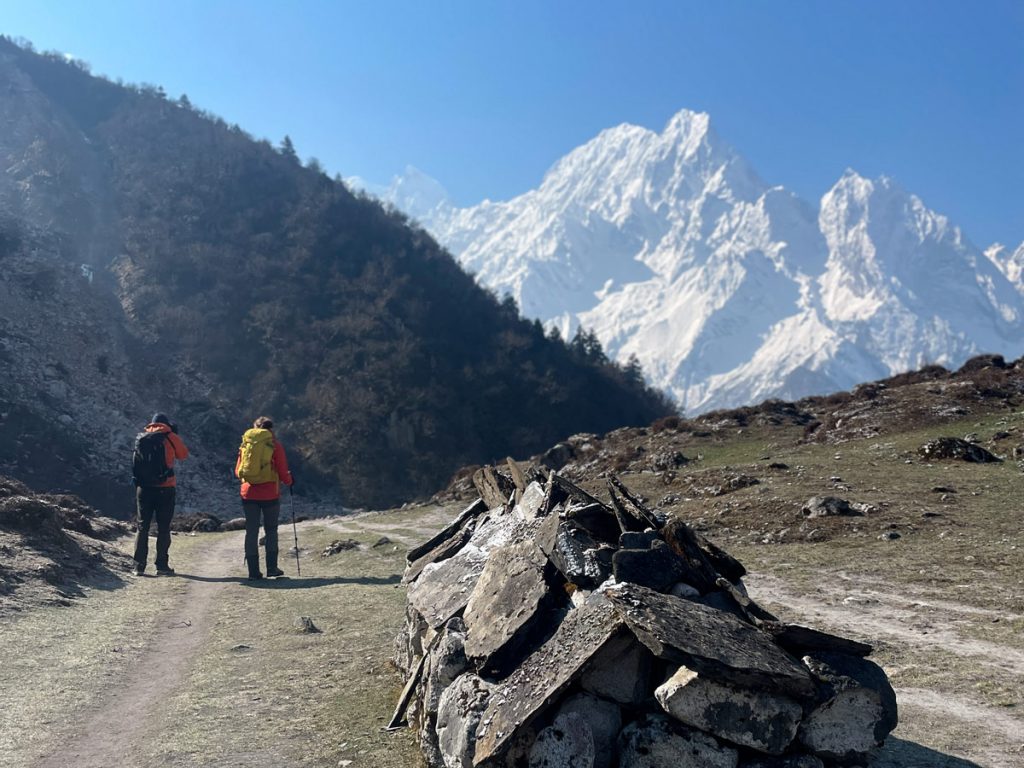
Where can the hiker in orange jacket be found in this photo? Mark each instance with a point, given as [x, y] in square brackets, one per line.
[156, 449]
[261, 466]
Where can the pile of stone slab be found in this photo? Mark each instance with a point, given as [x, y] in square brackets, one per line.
[547, 628]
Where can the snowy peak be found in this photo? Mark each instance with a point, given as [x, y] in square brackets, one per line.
[670, 247]
[1010, 263]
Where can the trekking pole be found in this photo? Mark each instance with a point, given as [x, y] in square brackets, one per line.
[295, 531]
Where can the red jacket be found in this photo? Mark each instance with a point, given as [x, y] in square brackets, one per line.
[267, 491]
[174, 448]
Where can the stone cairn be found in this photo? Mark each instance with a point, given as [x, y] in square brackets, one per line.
[547, 629]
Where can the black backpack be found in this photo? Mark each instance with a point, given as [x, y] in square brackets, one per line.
[149, 460]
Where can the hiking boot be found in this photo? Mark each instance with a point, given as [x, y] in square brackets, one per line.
[254, 576]
[165, 571]
[274, 572]
[140, 570]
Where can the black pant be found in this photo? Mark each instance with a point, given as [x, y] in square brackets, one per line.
[152, 502]
[270, 511]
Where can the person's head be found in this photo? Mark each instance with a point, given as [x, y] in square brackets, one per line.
[263, 422]
[160, 418]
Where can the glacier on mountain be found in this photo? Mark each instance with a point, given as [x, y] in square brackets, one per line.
[730, 291]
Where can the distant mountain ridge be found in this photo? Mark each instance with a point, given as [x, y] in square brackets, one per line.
[726, 289]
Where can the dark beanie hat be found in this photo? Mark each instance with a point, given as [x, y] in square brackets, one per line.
[160, 418]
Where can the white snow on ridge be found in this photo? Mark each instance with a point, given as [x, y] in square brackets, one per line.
[729, 291]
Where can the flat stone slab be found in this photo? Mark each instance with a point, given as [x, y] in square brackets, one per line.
[755, 719]
[443, 589]
[541, 678]
[505, 600]
[800, 640]
[715, 644]
[454, 527]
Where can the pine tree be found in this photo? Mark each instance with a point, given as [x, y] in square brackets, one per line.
[288, 149]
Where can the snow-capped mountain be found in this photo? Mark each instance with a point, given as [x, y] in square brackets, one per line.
[1010, 263]
[727, 290]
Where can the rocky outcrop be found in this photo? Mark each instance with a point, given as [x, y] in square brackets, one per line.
[552, 629]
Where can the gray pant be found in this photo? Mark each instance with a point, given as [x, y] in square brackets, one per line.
[270, 513]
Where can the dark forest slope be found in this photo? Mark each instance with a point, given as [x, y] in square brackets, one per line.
[264, 286]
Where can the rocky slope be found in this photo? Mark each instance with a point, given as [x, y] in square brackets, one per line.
[729, 290]
[155, 258]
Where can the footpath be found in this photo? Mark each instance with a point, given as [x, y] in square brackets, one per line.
[207, 669]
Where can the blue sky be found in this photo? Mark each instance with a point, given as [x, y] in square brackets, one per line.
[485, 96]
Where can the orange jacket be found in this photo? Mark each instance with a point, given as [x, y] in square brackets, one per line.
[174, 448]
[267, 491]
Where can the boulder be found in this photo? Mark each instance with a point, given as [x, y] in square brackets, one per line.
[558, 455]
[604, 719]
[458, 717]
[856, 712]
[717, 645]
[566, 743]
[654, 742]
[505, 603]
[955, 448]
[683, 540]
[829, 506]
[234, 524]
[620, 672]
[759, 720]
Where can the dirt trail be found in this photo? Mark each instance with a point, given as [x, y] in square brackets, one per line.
[126, 716]
[911, 631]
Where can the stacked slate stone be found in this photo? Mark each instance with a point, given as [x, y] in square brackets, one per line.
[548, 629]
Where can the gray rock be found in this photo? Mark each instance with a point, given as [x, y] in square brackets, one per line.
[529, 505]
[305, 624]
[858, 708]
[801, 640]
[829, 506]
[575, 555]
[596, 519]
[638, 539]
[955, 448]
[604, 719]
[620, 672]
[494, 487]
[443, 665]
[443, 589]
[567, 743]
[755, 719]
[655, 743]
[684, 590]
[524, 695]
[558, 455]
[471, 512]
[458, 717]
[505, 602]
[717, 645]
[445, 549]
[658, 567]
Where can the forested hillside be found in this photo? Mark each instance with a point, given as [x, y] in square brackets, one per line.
[250, 283]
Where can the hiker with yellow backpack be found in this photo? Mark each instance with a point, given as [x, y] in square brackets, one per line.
[261, 467]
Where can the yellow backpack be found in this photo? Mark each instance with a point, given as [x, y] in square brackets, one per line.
[257, 453]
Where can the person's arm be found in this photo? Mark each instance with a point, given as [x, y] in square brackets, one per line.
[180, 449]
[281, 464]
[238, 463]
